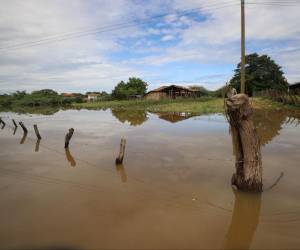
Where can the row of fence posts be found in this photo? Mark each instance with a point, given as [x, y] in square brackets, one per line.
[118, 161]
[290, 97]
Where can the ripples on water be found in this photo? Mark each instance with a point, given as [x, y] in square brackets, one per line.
[172, 191]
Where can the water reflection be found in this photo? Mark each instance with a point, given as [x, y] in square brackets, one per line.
[138, 117]
[120, 168]
[23, 138]
[41, 110]
[133, 117]
[244, 221]
[70, 157]
[174, 117]
[37, 145]
[268, 123]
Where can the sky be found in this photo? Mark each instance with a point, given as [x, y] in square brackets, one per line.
[91, 45]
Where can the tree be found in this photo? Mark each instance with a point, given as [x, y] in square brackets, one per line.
[120, 91]
[134, 86]
[261, 73]
[45, 92]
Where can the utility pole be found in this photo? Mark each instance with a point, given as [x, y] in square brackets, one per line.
[243, 46]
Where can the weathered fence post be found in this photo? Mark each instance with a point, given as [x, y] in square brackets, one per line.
[68, 137]
[36, 130]
[1, 121]
[23, 127]
[15, 130]
[120, 157]
[248, 174]
[14, 122]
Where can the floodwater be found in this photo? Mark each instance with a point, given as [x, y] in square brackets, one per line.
[172, 192]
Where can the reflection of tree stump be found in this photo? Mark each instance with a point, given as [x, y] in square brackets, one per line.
[244, 221]
[246, 144]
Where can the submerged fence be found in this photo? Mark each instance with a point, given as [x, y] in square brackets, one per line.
[291, 97]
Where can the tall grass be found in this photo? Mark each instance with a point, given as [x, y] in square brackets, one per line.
[203, 105]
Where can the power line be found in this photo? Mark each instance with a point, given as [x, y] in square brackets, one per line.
[110, 26]
[274, 4]
[71, 35]
[278, 1]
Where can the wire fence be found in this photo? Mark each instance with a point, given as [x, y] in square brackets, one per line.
[291, 97]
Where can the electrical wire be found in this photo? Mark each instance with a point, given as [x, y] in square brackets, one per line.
[68, 36]
[109, 26]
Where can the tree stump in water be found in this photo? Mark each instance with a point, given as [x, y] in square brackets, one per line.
[119, 159]
[246, 146]
[68, 137]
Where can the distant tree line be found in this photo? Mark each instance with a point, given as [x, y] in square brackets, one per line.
[44, 97]
[261, 73]
[135, 87]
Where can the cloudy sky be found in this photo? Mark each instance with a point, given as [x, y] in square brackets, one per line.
[90, 45]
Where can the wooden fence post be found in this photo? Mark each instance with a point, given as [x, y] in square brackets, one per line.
[68, 137]
[1, 121]
[120, 157]
[15, 130]
[14, 122]
[36, 130]
[23, 127]
[248, 174]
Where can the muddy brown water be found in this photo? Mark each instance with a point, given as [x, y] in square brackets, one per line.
[172, 192]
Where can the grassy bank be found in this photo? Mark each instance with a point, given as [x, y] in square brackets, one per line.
[202, 105]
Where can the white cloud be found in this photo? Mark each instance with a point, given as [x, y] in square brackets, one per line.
[217, 38]
[64, 65]
[167, 38]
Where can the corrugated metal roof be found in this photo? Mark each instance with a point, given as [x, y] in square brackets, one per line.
[176, 86]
